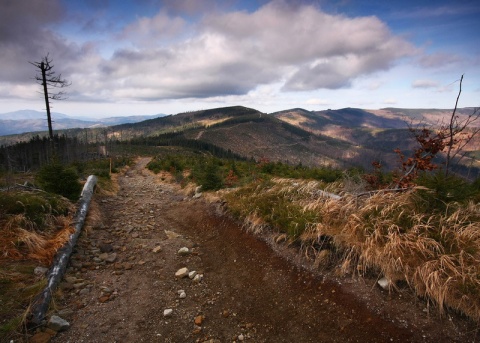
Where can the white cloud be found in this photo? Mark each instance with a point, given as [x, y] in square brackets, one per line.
[425, 84]
[233, 53]
[237, 54]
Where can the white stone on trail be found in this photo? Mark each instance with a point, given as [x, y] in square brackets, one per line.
[184, 251]
[192, 274]
[157, 249]
[198, 278]
[167, 312]
[181, 273]
[58, 324]
[384, 283]
[182, 294]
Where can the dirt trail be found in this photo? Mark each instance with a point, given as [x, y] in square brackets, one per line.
[123, 278]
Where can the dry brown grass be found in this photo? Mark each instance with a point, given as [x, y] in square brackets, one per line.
[438, 254]
[19, 240]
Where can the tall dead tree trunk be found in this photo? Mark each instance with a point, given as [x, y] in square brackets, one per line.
[48, 78]
[47, 102]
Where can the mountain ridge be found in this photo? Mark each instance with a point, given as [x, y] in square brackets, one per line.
[24, 121]
[341, 138]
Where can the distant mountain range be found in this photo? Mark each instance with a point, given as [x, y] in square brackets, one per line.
[34, 121]
[343, 138]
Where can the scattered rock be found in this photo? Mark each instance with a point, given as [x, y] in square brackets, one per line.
[106, 290]
[198, 278]
[384, 283]
[72, 279]
[40, 271]
[199, 320]
[58, 324]
[103, 256]
[241, 337]
[183, 251]
[181, 273]
[84, 291]
[192, 274]
[104, 298]
[182, 294]
[111, 258]
[157, 249]
[106, 248]
[79, 285]
[127, 265]
[171, 234]
[167, 312]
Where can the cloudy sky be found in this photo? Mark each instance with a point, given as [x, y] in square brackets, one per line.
[131, 57]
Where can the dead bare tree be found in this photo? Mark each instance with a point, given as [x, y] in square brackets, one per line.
[448, 140]
[47, 78]
[458, 133]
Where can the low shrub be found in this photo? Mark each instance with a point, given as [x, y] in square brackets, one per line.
[438, 191]
[274, 203]
[36, 208]
[58, 179]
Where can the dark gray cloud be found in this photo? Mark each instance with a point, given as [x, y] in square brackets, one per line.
[25, 36]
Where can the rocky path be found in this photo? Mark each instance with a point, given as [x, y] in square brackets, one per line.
[124, 284]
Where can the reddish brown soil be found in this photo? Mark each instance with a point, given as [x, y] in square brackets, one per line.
[249, 291]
